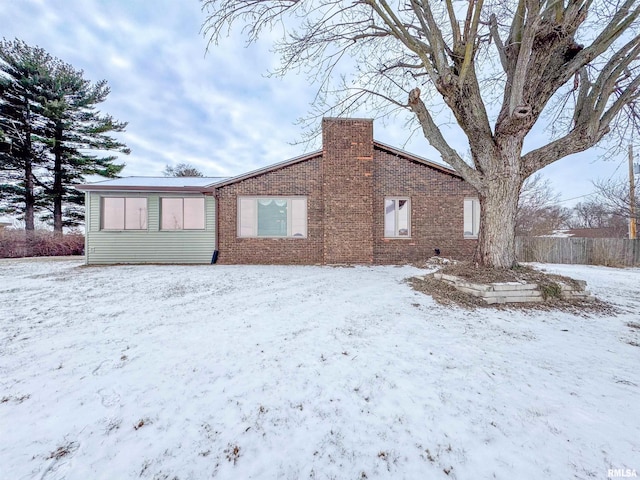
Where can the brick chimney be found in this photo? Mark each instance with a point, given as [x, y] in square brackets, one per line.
[347, 163]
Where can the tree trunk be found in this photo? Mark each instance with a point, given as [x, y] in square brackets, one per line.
[29, 189]
[29, 196]
[29, 208]
[58, 191]
[499, 204]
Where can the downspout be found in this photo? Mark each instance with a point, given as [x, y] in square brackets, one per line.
[216, 196]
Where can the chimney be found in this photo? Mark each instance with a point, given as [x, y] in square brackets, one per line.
[347, 165]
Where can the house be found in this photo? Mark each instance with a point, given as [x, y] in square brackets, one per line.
[5, 222]
[620, 231]
[356, 201]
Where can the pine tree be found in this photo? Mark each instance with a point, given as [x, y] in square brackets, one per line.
[24, 70]
[75, 131]
[53, 131]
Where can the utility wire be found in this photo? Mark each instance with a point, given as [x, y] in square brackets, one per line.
[593, 193]
[617, 168]
[575, 198]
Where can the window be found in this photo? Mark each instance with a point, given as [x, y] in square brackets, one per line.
[120, 213]
[182, 213]
[272, 217]
[471, 217]
[397, 217]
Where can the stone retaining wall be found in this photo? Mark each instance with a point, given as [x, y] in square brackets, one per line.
[513, 292]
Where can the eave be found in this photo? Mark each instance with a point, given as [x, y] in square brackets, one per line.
[131, 188]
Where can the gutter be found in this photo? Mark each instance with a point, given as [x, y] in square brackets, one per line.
[113, 188]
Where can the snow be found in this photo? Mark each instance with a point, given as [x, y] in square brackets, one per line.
[7, 221]
[563, 233]
[240, 372]
[157, 182]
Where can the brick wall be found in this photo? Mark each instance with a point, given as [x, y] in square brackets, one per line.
[437, 211]
[345, 190]
[347, 150]
[302, 178]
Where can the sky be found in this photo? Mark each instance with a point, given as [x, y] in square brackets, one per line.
[216, 109]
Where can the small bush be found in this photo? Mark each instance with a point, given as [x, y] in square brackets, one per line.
[550, 290]
[39, 243]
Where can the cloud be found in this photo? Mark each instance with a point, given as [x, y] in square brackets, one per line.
[217, 111]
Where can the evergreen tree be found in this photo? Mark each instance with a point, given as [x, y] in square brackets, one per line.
[74, 132]
[53, 131]
[23, 71]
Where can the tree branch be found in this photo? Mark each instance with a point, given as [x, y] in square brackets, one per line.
[470, 33]
[578, 140]
[619, 24]
[455, 28]
[493, 29]
[434, 135]
[521, 68]
[628, 96]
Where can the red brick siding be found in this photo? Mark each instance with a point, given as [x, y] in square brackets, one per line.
[348, 190]
[302, 178]
[345, 190]
[437, 209]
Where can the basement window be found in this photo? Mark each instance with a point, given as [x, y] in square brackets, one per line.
[124, 213]
[471, 217]
[397, 218]
[182, 213]
[272, 217]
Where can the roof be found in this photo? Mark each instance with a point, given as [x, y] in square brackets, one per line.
[208, 184]
[318, 153]
[415, 158]
[154, 184]
[270, 168]
[601, 232]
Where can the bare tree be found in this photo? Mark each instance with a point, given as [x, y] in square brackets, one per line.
[609, 208]
[590, 214]
[538, 210]
[595, 214]
[614, 198]
[497, 66]
[182, 170]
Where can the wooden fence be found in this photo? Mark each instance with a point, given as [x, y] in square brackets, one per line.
[584, 251]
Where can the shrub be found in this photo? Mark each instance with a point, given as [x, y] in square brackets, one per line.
[39, 243]
[550, 290]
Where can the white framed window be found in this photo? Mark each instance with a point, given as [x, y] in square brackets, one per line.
[182, 213]
[397, 217]
[272, 217]
[124, 213]
[471, 217]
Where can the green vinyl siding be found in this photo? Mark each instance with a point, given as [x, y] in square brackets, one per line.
[151, 245]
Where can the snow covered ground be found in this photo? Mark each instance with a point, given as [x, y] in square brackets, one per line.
[240, 372]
